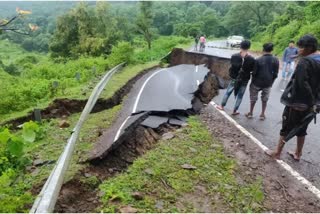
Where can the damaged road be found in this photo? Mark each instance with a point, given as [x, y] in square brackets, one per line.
[162, 96]
[166, 97]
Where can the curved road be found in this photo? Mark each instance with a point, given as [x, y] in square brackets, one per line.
[162, 91]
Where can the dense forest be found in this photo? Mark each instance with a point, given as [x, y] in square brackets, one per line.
[76, 42]
[98, 26]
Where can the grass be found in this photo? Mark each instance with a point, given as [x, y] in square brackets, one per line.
[83, 91]
[30, 84]
[14, 52]
[120, 78]
[170, 185]
[256, 46]
[49, 149]
[51, 146]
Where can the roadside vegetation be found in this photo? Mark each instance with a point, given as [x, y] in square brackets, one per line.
[189, 173]
[76, 43]
[296, 20]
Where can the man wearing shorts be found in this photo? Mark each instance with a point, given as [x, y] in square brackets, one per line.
[242, 64]
[301, 96]
[264, 73]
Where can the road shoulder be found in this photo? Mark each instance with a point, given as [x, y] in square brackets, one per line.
[283, 193]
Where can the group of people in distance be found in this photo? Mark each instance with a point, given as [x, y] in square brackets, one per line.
[300, 97]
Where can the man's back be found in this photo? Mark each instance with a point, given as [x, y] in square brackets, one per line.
[202, 39]
[236, 64]
[265, 71]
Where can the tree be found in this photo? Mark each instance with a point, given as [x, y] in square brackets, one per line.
[249, 18]
[145, 20]
[6, 25]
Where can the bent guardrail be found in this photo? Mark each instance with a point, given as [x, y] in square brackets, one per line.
[48, 196]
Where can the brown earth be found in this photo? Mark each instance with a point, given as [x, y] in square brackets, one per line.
[216, 78]
[283, 193]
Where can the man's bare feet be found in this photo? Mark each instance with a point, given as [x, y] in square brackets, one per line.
[273, 154]
[221, 108]
[294, 156]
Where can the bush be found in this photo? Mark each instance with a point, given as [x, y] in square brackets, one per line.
[160, 48]
[14, 195]
[122, 52]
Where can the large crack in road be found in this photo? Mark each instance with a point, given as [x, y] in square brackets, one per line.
[161, 96]
[158, 102]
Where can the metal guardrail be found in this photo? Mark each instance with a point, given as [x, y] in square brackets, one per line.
[48, 196]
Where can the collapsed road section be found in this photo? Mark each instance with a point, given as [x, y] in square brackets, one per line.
[148, 114]
[162, 96]
[158, 102]
[166, 95]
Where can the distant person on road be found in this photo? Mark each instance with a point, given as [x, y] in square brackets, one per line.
[265, 72]
[196, 41]
[301, 97]
[242, 64]
[289, 54]
[202, 42]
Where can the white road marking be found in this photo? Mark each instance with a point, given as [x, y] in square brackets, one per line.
[198, 82]
[197, 69]
[294, 173]
[135, 105]
[119, 131]
[140, 92]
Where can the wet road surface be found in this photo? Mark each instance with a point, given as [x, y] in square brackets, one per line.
[268, 131]
[161, 90]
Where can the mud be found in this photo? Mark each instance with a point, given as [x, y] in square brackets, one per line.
[66, 107]
[79, 196]
[283, 193]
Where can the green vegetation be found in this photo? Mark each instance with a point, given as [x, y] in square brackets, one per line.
[13, 160]
[144, 22]
[17, 182]
[168, 182]
[296, 21]
[76, 43]
[19, 175]
[38, 80]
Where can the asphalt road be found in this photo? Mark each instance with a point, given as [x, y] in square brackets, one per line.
[172, 88]
[268, 131]
[161, 90]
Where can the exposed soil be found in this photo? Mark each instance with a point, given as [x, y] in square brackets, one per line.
[78, 196]
[216, 78]
[61, 107]
[283, 193]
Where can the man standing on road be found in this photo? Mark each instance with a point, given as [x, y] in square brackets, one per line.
[196, 41]
[264, 73]
[202, 43]
[289, 55]
[242, 65]
[301, 96]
